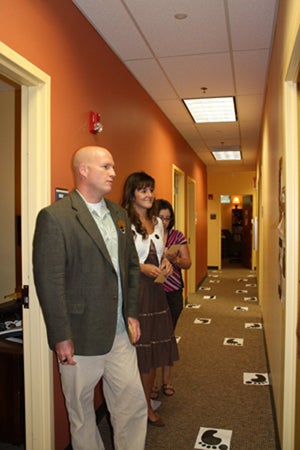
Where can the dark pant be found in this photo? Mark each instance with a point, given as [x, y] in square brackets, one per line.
[175, 301]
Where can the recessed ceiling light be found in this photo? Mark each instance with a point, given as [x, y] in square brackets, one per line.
[214, 109]
[227, 153]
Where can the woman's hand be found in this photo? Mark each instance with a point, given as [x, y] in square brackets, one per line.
[150, 270]
[166, 267]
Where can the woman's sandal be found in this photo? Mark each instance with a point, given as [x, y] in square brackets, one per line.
[155, 393]
[156, 423]
[168, 390]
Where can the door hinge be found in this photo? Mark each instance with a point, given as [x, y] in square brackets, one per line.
[25, 296]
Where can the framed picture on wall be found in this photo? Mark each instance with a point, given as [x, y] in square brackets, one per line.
[281, 237]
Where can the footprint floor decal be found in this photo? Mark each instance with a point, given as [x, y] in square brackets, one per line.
[238, 342]
[193, 306]
[254, 325]
[257, 379]
[241, 308]
[213, 438]
[250, 299]
[202, 320]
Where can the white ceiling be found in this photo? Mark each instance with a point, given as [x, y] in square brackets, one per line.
[222, 45]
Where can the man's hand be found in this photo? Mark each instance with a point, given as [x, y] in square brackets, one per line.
[65, 352]
[134, 329]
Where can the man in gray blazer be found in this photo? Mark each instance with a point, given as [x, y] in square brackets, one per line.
[86, 273]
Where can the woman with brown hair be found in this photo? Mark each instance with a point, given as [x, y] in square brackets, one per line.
[157, 346]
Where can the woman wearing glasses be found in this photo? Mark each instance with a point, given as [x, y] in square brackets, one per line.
[177, 252]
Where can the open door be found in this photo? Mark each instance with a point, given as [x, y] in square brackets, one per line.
[247, 243]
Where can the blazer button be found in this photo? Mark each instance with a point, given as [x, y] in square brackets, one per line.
[115, 297]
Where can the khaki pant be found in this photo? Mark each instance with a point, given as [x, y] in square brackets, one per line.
[123, 393]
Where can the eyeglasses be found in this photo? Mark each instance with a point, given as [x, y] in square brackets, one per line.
[164, 219]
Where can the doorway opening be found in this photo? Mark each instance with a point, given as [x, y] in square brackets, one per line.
[34, 194]
[236, 230]
[12, 411]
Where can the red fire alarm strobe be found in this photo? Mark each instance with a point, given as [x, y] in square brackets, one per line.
[95, 124]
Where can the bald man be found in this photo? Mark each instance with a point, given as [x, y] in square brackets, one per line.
[86, 273]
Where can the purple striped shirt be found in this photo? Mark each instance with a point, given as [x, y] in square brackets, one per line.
[174, 281]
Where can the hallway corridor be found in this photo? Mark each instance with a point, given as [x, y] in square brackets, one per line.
[223, 398]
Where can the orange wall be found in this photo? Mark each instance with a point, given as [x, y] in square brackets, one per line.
[87, 76]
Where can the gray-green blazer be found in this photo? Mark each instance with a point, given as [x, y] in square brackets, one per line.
[75, 280]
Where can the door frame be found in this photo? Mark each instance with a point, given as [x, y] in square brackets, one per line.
[35, 193]
[178, 197]
[191, 233]
[292, 245]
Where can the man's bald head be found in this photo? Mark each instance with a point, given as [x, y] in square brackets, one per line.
[86, 155]
[94, 172]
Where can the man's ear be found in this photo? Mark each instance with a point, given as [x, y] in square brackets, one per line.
[83, 169]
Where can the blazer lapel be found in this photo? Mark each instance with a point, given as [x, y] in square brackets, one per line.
[88, 223]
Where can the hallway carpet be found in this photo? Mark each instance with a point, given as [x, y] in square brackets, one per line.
[223, 396]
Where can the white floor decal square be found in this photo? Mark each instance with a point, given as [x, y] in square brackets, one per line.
[254, 325]
[202, 321]
[250, 299]
[237, 342]
[213, 438]
[241, 308]
[257, 379]
[192, 306]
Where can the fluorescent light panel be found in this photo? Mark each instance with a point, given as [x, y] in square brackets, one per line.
[215, 109]
[229, 153]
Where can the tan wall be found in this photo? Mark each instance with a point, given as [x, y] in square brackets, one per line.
[87, 76]
[232, 183]
[272, 149]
